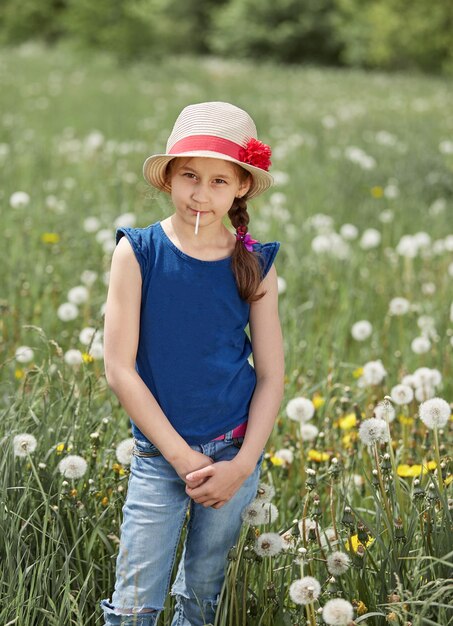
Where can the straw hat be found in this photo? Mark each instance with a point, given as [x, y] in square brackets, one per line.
[217, 130]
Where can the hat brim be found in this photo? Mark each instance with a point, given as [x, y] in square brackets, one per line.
[154, 170]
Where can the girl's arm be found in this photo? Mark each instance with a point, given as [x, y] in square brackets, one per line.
[121, 334]
[269, 362]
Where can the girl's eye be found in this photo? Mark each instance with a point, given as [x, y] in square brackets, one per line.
[220, 179]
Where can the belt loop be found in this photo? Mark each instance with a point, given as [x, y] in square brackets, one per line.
[229, 435]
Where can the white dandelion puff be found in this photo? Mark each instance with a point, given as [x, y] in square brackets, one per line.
[78, 295]
[23, 444]
[371, 238]
[308, 432]
[88, 277]
[424, 393]
[265, 492]
[300, 409]
[384, 411]
[420, 345]
[304, 590]
[96, 350]
[373, 431]
[89, 334]
[24, 354]
[361, 330]
[373, 372]
[402, 394]
[338, 563]
[124, 451]
[285, 455]
[67, 311]
[73, 357]
[268, 544]
[269, 512]
[73, 466]
[337, 612]
[19, 199]
[91, 224]
[399, 306]
[435, 412]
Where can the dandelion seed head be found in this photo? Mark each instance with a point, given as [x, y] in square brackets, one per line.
[268, 544]
[73, 357]
[73, 466]
[338, 563]
[361, 330]
[265, 492]
[337, 612]
[435, 412]
[123, 451]
[399, 306]
[300, 409]
[285, 455]
[67, 311]
[373, 431]
[24, 443]
[384, 410]
[304, 590]
[373, 372]
[402, 394]
[308, 432]
[24, 354]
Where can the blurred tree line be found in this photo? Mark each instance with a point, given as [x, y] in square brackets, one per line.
[386, 34]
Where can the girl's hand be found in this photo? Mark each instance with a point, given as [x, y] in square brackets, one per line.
[192, 461]
[220, 482]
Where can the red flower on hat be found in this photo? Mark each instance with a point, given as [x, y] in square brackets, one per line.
[256, 153]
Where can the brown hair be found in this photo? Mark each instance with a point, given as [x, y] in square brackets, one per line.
[245, 265]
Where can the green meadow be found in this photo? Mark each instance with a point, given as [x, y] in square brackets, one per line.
[362, 206]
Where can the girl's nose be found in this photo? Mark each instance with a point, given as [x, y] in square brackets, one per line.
[200, 194]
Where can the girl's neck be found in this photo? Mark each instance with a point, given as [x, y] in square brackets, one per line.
[212, 238]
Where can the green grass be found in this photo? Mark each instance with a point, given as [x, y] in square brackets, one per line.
[58, 547]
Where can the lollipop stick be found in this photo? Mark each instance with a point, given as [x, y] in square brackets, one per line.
[196, 225]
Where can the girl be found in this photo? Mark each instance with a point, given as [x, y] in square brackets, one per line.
[176, 354]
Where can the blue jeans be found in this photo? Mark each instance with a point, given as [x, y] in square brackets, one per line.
[154, 513]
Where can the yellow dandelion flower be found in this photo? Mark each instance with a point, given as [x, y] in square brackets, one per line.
[19, 373]
[59, 448]
[377, 191]
[122, 471]
[50, 237]
[406, 421]
[275, 460]
[448, 480]
[361, 608]
[104, 501]
[357, 373]
[347, 422]
[318, 400]
[413, 471]
[355, 543]
[87, 358]
[314, 455]
[73, 493]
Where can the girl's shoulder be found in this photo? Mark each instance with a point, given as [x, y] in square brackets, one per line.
[266, 254]
[141, 241]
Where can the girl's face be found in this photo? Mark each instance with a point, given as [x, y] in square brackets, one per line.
[205, 185]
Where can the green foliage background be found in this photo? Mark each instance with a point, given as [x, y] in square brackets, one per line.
[390, 34]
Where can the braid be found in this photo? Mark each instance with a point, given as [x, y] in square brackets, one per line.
[245, 264]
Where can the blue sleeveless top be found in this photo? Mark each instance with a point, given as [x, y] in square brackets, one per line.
[193, 349]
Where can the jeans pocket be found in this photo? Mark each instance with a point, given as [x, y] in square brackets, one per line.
[144, 448]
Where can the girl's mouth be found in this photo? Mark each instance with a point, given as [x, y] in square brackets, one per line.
[195, 212]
